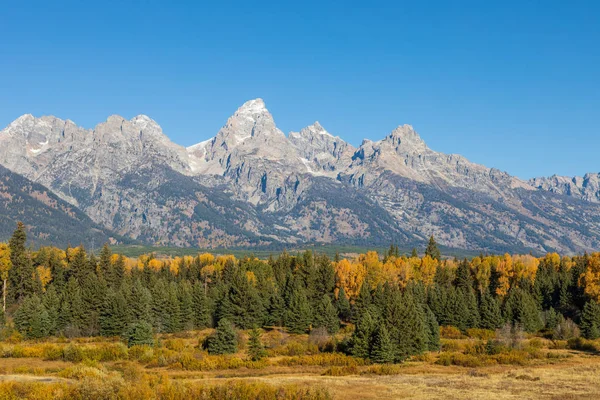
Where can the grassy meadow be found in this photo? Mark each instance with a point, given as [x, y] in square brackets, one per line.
[297, 367]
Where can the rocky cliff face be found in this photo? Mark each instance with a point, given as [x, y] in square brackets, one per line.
[585, 188]
[251, 185]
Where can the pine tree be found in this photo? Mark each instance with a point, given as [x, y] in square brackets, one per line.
[139, 334]
[22, 269]
[361, 340]
[139, 301]
[463, 278]
[276, 309]
[173, 317]
[407, 323]
[343, 305]
[186, 305]
[432, 249]
[383, 348]
[433, 330]
[590, 320]
[113, 314]
[224, 340]
[200, 307]
[325, 280]
[363, 301]
[51, 301]
[298, 315]
[256, 350]
[522, 309]
[489, 312]
[31, 319]
[414, 253]
[104, 265]
[326, 315]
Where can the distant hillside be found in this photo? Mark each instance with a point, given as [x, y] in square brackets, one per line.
[49, 219]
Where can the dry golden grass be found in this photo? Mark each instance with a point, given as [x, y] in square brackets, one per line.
[547, 370]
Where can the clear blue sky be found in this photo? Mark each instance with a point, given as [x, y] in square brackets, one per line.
[513, 85]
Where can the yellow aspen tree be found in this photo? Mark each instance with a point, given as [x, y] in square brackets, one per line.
[505, 273]
[427, 270]
[5, 266]
[45, 276]
[590, 279]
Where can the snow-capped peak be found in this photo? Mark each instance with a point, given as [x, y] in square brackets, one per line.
[252, 108]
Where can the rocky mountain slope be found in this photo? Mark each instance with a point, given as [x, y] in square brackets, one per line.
[49, 219]
[251, 185]
[585, 188]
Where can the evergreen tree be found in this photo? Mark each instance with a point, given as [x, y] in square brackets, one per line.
[432, 249]
[104, 266]
[173, 318]
[408, 328]
[463, 278]
[256, 350]
[326, 315]
[139, 334]
[361, 340]
[383, 348]
[31, 319]
[276, 309]
[590, 320]
[224, 340]
[433, 330]
[22, 266]
[241, 304]
[186, 305]
[325, 279]
[414, 253]
[200, 306]
[298, 315]
[113, 314]
[362, 302]
[522, 309]
[139, 301]
[51, 301]
[343, 305]
[489, 312]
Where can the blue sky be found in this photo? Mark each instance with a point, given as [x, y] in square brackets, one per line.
[510, 84]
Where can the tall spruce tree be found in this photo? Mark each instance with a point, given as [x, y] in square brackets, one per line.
[256, 349]
[362, 338]
[489, 312]
[343, 305]
[326, 315]
[224, 340]
[383, 348]
[590, 320]
[432, 249]
[298, 316]
[200, 306]
[22, 266]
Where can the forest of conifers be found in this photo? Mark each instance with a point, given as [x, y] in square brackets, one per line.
[396, 302]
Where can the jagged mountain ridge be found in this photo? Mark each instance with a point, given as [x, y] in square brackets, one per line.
[49, 219]
[586, 187]
[271, 188]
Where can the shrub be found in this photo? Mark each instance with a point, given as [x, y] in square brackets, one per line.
[341, 371]
[565, 330]
[483, 334]
[583, 344]
[72, 353]
[462, 360]
[450, 332]
[511, 335]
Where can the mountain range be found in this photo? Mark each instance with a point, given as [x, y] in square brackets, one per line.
[253, 186]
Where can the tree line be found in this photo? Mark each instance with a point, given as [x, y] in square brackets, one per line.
[395, 302]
